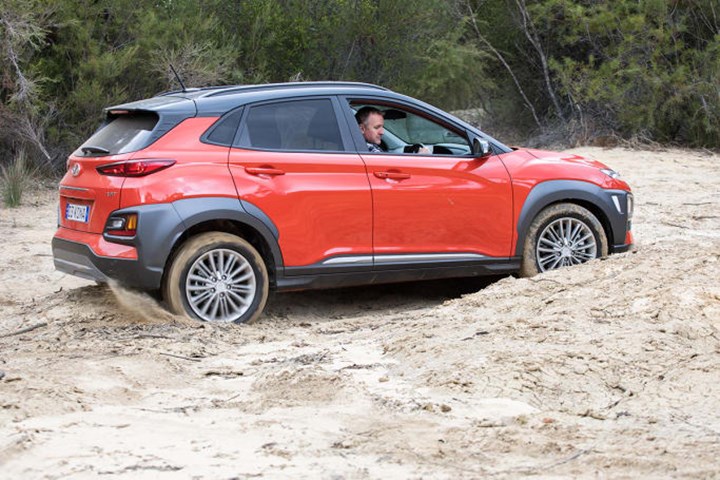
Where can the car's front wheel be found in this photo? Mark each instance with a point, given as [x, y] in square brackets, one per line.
[563, 234]
[217, 277]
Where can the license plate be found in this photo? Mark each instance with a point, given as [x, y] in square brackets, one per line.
[77, 213]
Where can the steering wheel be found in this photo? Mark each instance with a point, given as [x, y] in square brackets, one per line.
[414, 148]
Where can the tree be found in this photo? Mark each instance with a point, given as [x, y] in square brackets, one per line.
[23, 113]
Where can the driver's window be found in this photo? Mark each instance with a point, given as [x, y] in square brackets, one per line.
[405, 129]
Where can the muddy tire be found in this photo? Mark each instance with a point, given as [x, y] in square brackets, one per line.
[217, 277]
[562, 235]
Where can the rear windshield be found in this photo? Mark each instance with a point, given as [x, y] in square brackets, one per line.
[121, 134]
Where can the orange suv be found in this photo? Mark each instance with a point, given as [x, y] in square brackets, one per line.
[214, 196]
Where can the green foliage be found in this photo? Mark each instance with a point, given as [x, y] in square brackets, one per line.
[398, 45]
[638, 68]
[633, 68]
[23, 108]
[15, 178]
[112, 51]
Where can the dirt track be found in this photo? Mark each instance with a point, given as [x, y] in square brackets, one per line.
[606, 370]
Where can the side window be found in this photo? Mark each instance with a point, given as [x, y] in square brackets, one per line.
[223, 131]
[416, 129]
[404, 130]
[293, 125]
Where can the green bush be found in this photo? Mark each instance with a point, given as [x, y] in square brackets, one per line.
[628, 68]
[15, 178]
[638, 68]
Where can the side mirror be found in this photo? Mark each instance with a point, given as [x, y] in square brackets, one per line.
[481, 147]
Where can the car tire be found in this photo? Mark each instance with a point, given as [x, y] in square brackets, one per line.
[561, 235]
[217, 277]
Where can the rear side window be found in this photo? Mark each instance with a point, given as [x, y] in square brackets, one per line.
[223, 131]
[293, 125]
[121, 134]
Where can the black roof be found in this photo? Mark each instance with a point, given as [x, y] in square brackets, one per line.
[233, 89]
[217, 100]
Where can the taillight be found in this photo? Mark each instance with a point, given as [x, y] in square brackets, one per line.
[122, 225]
[134, 168]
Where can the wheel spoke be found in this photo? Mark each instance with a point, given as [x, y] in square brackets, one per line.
[556, 263]
[202, 297]
[552, 243]
[583, 256]
[575, 231]
[224, 311]
[221, 264]
[585, 238]
[231, 302]
[198, 288]
[229, 267]
[556, 236]
[244, 278]
[243, 301]
[196, 278]
[202, 268]
[215, 306]
[561, 231]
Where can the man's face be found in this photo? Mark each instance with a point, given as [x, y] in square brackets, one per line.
[373, 129]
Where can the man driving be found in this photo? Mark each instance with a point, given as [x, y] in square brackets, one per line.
[372, 125]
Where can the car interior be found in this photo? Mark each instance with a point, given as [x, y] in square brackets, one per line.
[407, 132]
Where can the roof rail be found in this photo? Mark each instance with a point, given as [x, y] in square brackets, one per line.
[195, 89]
[269, 86]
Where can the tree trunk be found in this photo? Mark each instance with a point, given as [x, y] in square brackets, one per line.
[500, 57]
[534, 39]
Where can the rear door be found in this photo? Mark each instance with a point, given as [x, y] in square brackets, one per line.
[294, 161]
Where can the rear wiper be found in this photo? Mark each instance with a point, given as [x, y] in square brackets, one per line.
[92, 149]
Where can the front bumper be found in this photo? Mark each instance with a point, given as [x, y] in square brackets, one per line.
[624, 247]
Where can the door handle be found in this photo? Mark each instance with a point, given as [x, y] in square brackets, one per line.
[269, 171]
[392, 175]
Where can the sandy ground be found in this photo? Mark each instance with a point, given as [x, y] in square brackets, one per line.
[606, 370]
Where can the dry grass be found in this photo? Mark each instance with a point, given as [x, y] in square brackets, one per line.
[15, 179]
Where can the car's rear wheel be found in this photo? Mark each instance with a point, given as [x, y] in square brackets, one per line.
[217, 277]
[562, 235]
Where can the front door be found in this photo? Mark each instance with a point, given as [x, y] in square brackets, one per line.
[433, 206]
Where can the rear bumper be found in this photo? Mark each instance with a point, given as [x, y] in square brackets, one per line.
[68, 259]
[77, 258]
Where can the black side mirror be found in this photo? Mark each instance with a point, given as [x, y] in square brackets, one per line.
[481, 147]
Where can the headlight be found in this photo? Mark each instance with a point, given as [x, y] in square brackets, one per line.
[617, 201]
[610, 172]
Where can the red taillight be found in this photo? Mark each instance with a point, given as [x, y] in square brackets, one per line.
[122, 225]
[134, 168]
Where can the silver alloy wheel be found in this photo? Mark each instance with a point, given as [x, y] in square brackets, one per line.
[220, 285]
[566, 241]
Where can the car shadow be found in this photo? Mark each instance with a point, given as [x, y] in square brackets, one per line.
[349, 302]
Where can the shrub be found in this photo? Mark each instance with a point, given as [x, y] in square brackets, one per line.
[15, 178]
